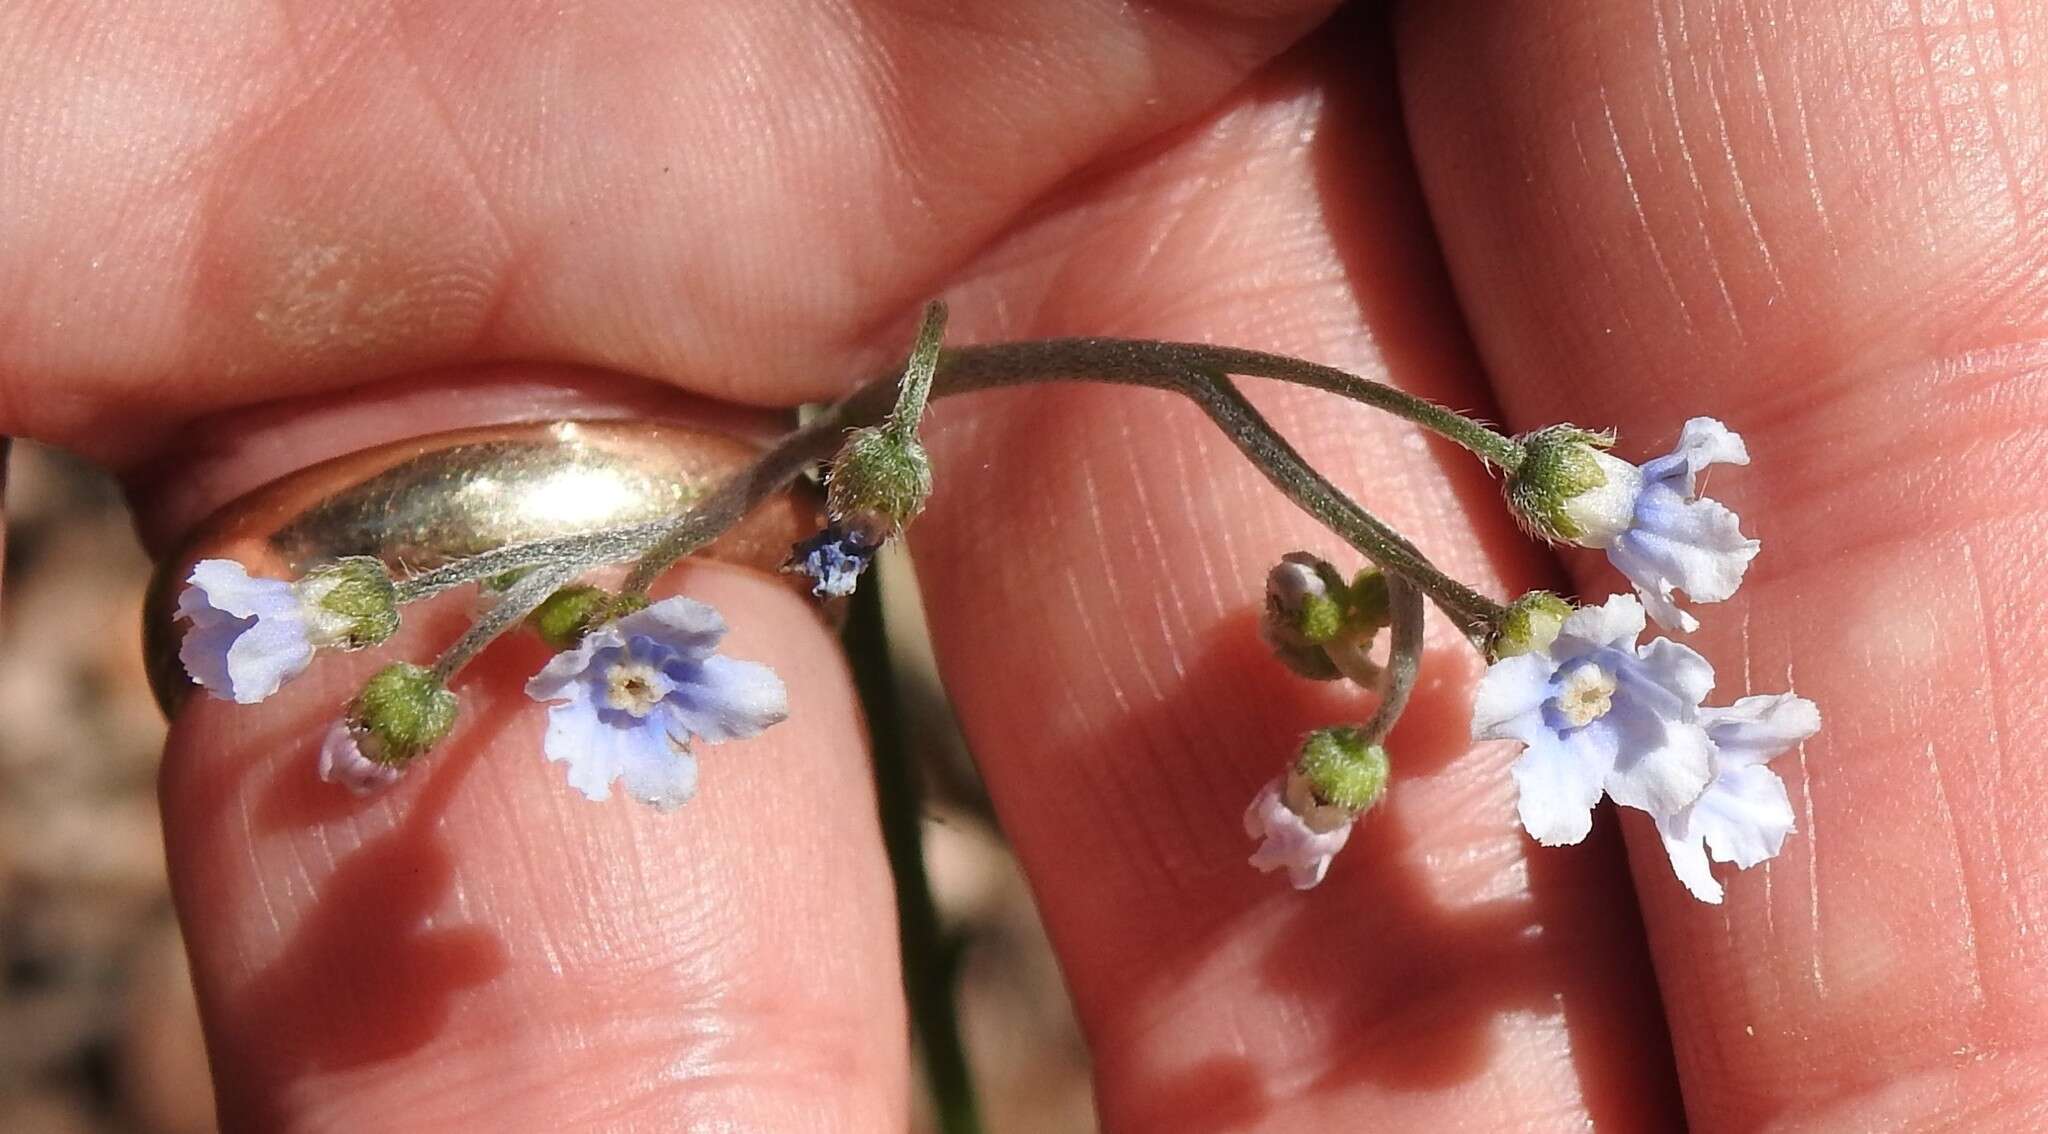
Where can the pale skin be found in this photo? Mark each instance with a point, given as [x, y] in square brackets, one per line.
[243, 237]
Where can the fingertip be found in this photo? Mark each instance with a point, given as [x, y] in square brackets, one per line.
[481, 944]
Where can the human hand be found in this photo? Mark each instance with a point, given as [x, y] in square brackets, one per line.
[405, 221]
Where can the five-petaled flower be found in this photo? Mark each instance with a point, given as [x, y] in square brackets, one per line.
[1744, 815]
[1597, 713]
[248, 635]
[1295, 832]
[1660, 532]
[630, 698]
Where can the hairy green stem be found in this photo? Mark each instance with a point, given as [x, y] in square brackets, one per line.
[1404, 659]
[1191, 369]
[518, 601]
[1473, 613]
[611, 545]
[916, 388]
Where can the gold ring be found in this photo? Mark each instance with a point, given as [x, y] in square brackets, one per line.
[426, 501]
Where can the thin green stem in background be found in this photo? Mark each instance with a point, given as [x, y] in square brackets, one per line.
[931, 955]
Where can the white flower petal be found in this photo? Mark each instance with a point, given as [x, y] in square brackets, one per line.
[690, 628]
[1703, 441]
[1755, 729]
[1660, 765]
[1695, 546]
[1679, 542]
[1616, 623]
[1286, 840]
[1688, 858]
[342, 762]
[247, 637]
[1653, 585]
[720, 699]
[655, 768]
[563, 673]
[1558, 783]
[1675, 670]
[1508, 703]
[1745, 816]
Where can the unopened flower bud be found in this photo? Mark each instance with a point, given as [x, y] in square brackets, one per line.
[1569, 488]
[1340, 769]
[1531, 623]
[350, 603]
[568, 614]
[879, 482]
[403, 711]
[1318, 626]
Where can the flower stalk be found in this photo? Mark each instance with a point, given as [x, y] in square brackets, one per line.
[1598, 713]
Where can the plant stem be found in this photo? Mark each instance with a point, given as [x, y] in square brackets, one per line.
[916, 388]
[518, 601]
[1404, 659]
[1191, 369]
[931, 955]
[1474, 613]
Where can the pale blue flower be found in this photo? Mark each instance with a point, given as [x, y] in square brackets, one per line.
[1658, 530]
[834, 559]
[1744, 815]
[633, 695]
[1599, 713]
[1295, 833]
[342, 762]
[247, 636]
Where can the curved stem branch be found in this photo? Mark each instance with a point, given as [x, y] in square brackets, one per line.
[518, 601]
[1404, 659]
[1190, 369]
[1473, 613]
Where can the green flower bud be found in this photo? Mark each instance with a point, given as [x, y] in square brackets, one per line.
[1531, 623]
[1305, 599]
[1342, 769]
[570, 613]
[1370, 608]
[1568, 488]
[350, 603]
[1320, 627]
[403, 711]
[880, 481]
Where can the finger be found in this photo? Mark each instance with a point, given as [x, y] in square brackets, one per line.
[243, 204]
[1094, 561]
[1821, 224]
[483, 948]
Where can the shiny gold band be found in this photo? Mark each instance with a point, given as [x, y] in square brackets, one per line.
[425, 501]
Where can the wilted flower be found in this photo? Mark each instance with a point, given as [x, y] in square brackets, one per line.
[834, 559]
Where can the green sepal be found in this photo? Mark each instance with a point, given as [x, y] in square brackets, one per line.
[354, 602]
[570, 613]
[1369, 606]
[1557, 466]
[879, 481]
[1343, 769]
[402, 711]
[1529, 623]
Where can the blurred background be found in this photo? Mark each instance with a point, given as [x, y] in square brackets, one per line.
[98, 1029]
